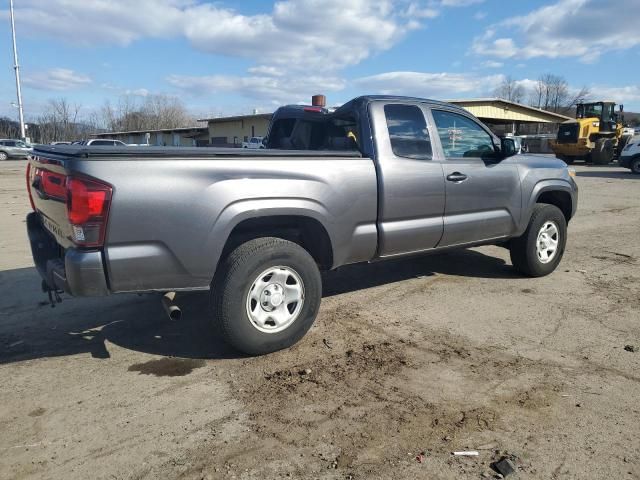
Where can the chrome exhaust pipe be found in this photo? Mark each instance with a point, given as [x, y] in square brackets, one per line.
[173, 311]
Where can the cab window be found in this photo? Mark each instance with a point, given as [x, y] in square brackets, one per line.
[462, 137]
[408, 132]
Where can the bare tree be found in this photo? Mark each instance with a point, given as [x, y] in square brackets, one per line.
[59, 122]
[510, 90]
[9, 128]
[152, 113]
[551, 92]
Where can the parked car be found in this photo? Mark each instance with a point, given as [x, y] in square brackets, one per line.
[101, 142]
[254, 142]
[379, 178]
[60, 143]
[10, 148]
[630, 157]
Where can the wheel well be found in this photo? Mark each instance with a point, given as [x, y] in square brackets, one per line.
[560, 199]
[307, 232]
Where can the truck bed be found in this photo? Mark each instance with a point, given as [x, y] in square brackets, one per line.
[135, 152]
[171, 209]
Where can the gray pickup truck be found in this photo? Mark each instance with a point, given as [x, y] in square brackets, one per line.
[378, 178]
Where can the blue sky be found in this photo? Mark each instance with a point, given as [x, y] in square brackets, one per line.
[227, 57]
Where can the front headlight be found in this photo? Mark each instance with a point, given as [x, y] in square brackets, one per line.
[572, 172]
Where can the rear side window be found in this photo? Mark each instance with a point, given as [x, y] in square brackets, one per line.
[462, 137]
[102, 143]
[408, 132]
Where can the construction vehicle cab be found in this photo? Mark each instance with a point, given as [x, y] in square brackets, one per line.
[594, 136]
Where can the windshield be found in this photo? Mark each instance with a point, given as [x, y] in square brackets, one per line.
[590, 110]
[603, 111]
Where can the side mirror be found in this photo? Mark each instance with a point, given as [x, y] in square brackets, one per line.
[508, 147]
[265, 141]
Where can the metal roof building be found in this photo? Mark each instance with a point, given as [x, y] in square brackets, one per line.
[508, 115]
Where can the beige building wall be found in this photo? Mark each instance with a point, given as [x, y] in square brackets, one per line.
[239, 129]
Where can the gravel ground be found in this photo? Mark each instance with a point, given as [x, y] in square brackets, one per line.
[418, 356]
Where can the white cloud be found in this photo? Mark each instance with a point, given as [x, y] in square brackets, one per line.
[273, 89]
[265, 70]
[460, 3]
[480, 15]
[629, 94]
[327, 34]
[492, 64]
[423, 84]
[415, 10]
[138, 92]
[568, 28]
[56, 79]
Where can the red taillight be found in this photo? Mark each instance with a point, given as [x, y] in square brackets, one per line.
[88, 208]
[29, 181]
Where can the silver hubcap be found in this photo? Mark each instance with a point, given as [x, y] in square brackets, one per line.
[275, 299]
[547, 243]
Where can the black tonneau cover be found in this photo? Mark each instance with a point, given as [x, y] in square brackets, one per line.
[84, 151]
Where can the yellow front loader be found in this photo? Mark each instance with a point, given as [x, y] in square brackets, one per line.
[595, 136]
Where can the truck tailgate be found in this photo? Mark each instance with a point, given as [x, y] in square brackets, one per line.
[46, 180]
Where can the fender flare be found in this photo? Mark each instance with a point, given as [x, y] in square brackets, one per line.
[550, 185]
[246, 209]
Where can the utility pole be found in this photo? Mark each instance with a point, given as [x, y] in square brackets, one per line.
[16, 67]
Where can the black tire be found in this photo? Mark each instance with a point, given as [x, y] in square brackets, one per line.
[569, 160]
[524, 252]
[635, 165]
[232, 285]
[3, 156]
[604, 152]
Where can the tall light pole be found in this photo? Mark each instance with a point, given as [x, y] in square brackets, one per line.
[16, 67]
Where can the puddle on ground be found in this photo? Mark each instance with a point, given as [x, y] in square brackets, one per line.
[167, 367]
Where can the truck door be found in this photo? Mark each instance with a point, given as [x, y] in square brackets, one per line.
[410, 181]
[483, 196]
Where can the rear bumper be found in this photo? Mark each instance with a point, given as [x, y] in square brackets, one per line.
[76, 272]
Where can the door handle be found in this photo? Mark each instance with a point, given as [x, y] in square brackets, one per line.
[457, 177]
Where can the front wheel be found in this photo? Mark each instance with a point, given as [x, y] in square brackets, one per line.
[635, 165]
[266, 295]
[603, 152]
[540, 248]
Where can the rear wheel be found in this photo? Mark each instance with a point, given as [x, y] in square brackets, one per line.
[604, 151]
[540, 248]
[266, 295]
[3, 156]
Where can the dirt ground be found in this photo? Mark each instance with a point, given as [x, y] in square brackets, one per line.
[433, 354]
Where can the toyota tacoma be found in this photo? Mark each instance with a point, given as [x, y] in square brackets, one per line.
[380, 177]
